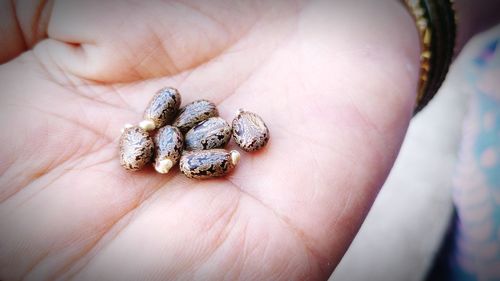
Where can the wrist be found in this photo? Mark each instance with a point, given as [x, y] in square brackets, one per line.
[436, 24]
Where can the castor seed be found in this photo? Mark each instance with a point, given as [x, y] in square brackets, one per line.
[162, 109]
[214, 132]
[249, 131]
[168, 148]
[136, 148]
[204, 164]
[193, 113]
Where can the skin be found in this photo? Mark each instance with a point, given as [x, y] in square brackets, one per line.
[335, 82]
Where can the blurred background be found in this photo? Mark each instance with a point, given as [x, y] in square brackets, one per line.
[405, 229]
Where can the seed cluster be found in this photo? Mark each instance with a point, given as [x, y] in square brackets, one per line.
[193, 135]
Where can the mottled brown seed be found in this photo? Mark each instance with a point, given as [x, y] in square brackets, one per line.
[163, 107]
[136, 148]
[249, 131]
[168, 145]
[193, 113]
[204, 164]
[214, 132]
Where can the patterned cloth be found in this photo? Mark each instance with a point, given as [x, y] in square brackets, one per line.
[474, 252]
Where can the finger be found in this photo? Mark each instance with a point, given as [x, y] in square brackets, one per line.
[12, 40]
[113, 41]
[22, 25]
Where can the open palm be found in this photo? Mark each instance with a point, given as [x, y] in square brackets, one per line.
[330, 80]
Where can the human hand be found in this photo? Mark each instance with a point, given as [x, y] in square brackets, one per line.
[334, 81]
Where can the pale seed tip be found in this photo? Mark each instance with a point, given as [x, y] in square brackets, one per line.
[163, 166]
[147, 125]
[235, 157]
[126, 126]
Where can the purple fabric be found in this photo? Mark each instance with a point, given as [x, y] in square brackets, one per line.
[475, 251]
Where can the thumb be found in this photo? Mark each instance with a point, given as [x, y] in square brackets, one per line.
[106, 42]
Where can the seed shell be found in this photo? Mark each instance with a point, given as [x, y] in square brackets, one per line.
[249, 131]
[204, 164]
[136, 148]
[168, 146]
[163, 107]
[214, 132]
[193, 113]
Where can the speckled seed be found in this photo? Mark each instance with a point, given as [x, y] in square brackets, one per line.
[214, 132]
[194, 113]
[162, 108]
[249, 131]
[204, 164]
[136, 148]
[168, 145]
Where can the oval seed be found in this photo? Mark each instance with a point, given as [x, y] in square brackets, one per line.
[193, 113]
[204, 164]
[211, 133]
[162, 109]
[136, 148]
[249, 131]
[168, 144]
